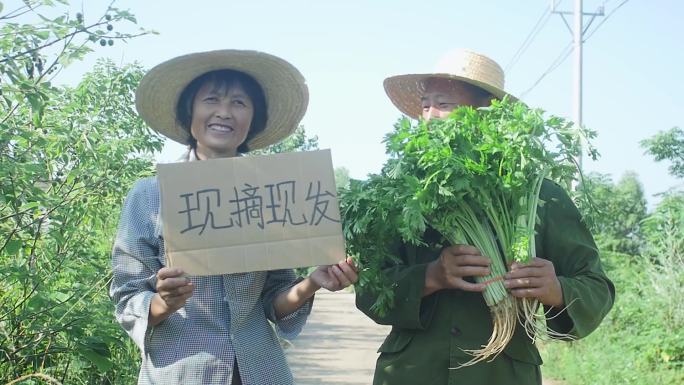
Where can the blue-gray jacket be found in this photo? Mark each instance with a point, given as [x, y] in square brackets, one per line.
[225, 320]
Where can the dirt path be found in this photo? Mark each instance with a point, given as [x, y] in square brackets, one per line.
[338, 345]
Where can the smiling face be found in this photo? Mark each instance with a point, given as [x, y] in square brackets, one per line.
[222, 111]
[442, 96]
[221, 118]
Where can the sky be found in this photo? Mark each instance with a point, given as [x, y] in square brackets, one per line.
[632, 62]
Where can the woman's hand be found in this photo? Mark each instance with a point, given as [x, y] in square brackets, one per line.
[332, 277]
[335, 277]
[536, 279]
[173, 291]
[454, 264]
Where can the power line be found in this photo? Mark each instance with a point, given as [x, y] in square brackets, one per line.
[606, 2]
[555, 64]
[541, 22]
[605, 18]
[568, 49]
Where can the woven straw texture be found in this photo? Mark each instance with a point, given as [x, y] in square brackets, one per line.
[405, 91]
[287, 95]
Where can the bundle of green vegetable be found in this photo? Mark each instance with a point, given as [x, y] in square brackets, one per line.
[475, 178]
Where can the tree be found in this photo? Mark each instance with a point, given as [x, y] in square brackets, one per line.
[298, 141]
[664, 228]
[668, 145]
[643, 331]
[342, 177]
[67, 157]
[615, 211]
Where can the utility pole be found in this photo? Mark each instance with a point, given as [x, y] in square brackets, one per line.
[578, 37]
[577, 40]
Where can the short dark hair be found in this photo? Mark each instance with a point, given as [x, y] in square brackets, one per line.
[224, 79]
[485, 97]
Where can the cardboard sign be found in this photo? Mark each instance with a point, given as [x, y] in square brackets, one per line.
[251, 213]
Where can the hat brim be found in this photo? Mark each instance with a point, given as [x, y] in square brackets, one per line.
[285, 90]
[405, 93]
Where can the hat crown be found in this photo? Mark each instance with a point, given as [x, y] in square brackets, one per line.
[471, 65]
[463, 65]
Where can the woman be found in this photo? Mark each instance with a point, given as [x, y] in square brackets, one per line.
[213, 329]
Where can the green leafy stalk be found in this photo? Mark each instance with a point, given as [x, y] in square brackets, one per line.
[476, 176]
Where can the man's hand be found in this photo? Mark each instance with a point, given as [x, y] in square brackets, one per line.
[535, 280]
[453, 265]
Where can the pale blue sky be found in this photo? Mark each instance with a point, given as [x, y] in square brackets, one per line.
[632, 65]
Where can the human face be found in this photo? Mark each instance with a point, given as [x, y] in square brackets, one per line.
[442, 96]
[221, 117]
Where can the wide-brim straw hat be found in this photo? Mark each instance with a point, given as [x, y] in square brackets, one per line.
[285, 90]
[465, 65]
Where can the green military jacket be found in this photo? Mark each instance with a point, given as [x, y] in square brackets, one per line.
[429, 334]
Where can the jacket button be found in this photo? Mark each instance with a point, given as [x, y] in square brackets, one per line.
[455, 331]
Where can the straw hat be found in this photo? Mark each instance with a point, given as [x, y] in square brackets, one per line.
[405, 91]
[287, 95]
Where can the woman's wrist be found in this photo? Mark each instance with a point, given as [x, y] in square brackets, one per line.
[159, 311]
[309, 287]
[288, 302]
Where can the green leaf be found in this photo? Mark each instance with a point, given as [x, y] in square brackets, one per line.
[445, 191]
[103, 363]
[28, 206]
[13, 246]
[60, 296]
[43, 34]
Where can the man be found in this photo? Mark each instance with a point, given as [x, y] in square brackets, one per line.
[438, 310]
